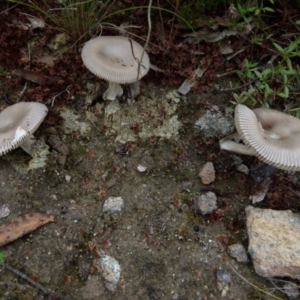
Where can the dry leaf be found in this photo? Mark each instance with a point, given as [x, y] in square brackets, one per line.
[35, 22]
[22, 225]
[207, 173]
[261, 192]
[36, 77]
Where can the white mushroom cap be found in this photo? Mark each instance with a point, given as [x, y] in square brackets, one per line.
[116, 59]
[274, 136]
[17, 124]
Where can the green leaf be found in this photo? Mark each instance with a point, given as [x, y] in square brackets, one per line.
[298, 22]
[251, 9]
[266, 72]
[269, 9]
[279, 48]
[289, 64]
[286, 91]
[2, 257]
[258, 75]
[292, 46]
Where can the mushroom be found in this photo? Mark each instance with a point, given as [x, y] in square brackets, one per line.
[119, 60]
[18, 122]
[272, 136]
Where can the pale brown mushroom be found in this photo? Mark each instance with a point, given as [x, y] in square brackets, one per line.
[119, 60]
[272, 136]
[18, 122]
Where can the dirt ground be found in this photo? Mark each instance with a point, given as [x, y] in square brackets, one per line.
[165, 248]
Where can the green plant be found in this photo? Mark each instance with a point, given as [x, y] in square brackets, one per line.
[78, 18]
[2, 257]
[272, 80]
[81, 19]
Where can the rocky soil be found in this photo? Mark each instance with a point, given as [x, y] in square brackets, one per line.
[151, 243]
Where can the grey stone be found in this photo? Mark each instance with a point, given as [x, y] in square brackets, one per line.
[274, 242]
[206, 203]
[4, 211]
[223, 277]
[238, 252]
[215, 123]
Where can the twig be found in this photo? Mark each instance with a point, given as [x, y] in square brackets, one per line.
[148, 37]
[238, 87]
[23, 90]
[235, 54]
[3, 11]
[36, 284]
[255, 286]
[29, 52]
[266, 65]
[19, 286]
[55, 96]
[293, 23]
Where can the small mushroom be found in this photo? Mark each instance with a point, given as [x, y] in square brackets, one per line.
[119, 60]
[272, 136]
[18, 122]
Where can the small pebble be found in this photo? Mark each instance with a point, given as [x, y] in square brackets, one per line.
[196, 228]
[238, 252]
[187, 185]
[4, 211]
[223, 277]
[68, 178]
[206, 203]
[141, 168]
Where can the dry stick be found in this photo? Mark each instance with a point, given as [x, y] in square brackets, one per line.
[36, 284]
[254, 69]
[293, 23]
[253, 80]
[6, 10]
[253, 285]
[148, 36]
[238, 87]
[55, 96]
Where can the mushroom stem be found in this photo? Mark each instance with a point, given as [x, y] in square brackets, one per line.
[134, 89]
[231, 143]
[27, 144]
[114, 90]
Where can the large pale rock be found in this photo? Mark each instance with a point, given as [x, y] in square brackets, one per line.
[215, 123]
[274, 242]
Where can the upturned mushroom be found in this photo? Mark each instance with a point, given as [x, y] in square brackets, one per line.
[119, 60]
[18, 122]
[272, 136]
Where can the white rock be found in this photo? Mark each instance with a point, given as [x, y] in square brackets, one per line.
[68, 178]
[113, 204]
[110, 271]
[141, 168]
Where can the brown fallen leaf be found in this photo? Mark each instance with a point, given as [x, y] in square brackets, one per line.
[36, 77]
[22, 225]
[207, 173]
